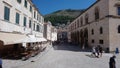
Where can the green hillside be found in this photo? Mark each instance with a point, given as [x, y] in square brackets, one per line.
[62, 16]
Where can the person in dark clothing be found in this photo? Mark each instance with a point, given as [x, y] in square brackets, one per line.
[100, 50]
[112, 62]
[97, 51]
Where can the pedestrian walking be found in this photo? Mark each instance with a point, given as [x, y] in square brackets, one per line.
[94, 52]
[0, 62]
[100, 50]
[112, 62]
[97, 51]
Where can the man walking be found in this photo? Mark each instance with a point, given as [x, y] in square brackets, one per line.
[100, 50]
[97, 51]
[112, 62]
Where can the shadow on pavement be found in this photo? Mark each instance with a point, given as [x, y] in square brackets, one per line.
[91, 56]
[70, 47]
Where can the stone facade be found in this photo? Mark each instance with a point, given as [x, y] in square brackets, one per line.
[48, 30]
[62, 34]
[97, 25]
[54, 34]
[20, 17]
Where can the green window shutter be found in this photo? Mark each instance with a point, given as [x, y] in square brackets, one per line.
[30, 8]
[25, 4]
[6, 13]
[17, 18]
[30, 24]
[38, 28]
[19, 1]
[24, 21]
[34, 27]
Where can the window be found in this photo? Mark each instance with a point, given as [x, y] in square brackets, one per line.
[6, 13]
[96, 13]
[81, 21]
[30, 24]
[75, 25]
[17, 18]
[25, 4]
[19, 1]
[101, 42]
[86, 19]
[25, 21]
[37, 17]
[119, 29]
[92, 32]
[118, 10]
[34, 27]
[78, 23]
[38, 28]
[92, 41]
[30, 8]
[101, 30]
[34, 14]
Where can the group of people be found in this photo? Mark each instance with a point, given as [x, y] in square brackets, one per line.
[97, 51]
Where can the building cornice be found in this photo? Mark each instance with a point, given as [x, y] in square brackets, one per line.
[86, 10]
[7, 4]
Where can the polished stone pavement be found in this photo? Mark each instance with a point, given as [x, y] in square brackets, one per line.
[63, 56]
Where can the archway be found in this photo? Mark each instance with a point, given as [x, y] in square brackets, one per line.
[85, 38]
[81, 38]
[77, 37]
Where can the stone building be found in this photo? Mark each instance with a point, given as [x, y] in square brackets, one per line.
[54, 34]
[50, 32]
[21, 25]
[62, 34]
[99, 24]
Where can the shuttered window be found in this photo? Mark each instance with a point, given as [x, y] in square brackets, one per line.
[6, 13]
[17, 18]
[19, 1]
[25, 21]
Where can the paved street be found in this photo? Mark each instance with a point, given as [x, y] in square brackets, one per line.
[63, 56]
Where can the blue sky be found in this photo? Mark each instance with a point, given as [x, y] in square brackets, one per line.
[49, 6]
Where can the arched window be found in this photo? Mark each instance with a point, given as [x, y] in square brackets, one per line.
[101, 30]
[30, 24]
[92, 31]
[86, 19]
[75, 25]
[81, 21]
[78, 23]
[97, 13]
[34, 26]
[119, 29]
[38, 28]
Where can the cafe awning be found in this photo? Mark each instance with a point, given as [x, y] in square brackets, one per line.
[11, 38]
[40, 39]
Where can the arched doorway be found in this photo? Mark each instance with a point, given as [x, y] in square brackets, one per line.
[77, 37]
[81, 38]
[85, 38]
